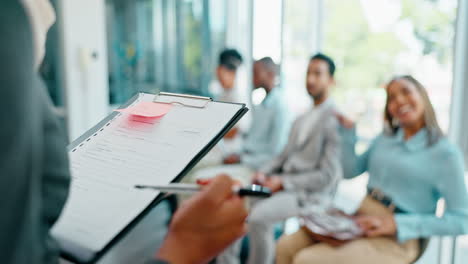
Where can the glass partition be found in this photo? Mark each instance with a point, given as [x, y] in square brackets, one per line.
[162, 45]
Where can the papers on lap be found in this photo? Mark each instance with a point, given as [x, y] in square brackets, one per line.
[333, 224]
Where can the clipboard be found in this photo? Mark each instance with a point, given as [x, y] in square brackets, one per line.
[75, 253]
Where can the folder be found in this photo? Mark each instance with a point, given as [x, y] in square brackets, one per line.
[122, 151]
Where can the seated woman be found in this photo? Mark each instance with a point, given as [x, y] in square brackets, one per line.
[411, 166]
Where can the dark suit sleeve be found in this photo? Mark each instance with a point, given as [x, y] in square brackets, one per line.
[19, 126]
[33, 161]
[56, 175]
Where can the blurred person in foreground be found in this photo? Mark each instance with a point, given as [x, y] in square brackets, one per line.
[34, 172]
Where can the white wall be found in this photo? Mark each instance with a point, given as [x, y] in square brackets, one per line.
[459, 111]
[85, 78]
[459, 115]
[239, 23]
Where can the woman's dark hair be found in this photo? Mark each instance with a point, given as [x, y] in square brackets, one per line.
[434, 131]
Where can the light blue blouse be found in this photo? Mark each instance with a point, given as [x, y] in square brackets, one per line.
[415, 176]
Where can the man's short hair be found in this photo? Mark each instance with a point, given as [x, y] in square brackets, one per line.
[269, 64]
[230, 58]
[328, 60]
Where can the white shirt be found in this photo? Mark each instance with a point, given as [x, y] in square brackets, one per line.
[310, 121]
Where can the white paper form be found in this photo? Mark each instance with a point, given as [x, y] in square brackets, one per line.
[128, 151]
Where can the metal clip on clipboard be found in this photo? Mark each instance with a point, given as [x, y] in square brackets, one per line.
[182, 99]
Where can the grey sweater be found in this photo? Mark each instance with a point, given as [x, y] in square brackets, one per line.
[311, 167]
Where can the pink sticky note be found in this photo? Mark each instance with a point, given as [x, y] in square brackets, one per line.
[147, 109]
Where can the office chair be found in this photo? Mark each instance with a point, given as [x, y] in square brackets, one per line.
[423, 244]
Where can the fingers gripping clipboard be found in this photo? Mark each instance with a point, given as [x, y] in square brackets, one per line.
[122, 151]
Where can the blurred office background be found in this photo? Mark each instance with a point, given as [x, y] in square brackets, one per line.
[101, 52]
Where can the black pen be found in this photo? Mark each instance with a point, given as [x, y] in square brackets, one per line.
[183, 188]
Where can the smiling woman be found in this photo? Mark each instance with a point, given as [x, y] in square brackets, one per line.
[411, 167]
[409, 106]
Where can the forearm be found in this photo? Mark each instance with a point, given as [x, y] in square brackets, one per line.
[412, 226]
[353, 165]
[171, 252]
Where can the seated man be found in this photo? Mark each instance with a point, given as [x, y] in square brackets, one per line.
[305, 174]
[270, 120]
[266, 136]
